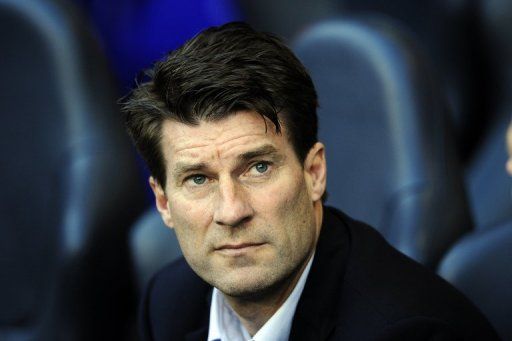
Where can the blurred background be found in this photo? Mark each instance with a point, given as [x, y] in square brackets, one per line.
[415, 99]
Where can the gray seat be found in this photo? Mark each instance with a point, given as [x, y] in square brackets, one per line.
[70, 186]
[153, 245]
[487, 182]
[480, 265]
[450, 33]
[390, 153]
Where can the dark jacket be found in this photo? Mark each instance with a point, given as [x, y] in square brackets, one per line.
[358, 288]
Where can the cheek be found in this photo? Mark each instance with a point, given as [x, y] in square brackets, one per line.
[191, 220]
[285, 194]
[189, 211]
[287, 205]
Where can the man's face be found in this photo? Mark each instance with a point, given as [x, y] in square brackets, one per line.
[246, 212]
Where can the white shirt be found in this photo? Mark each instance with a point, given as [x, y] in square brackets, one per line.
[226, 326]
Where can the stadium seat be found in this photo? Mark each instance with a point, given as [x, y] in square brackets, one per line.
[480, 266]
[488, 185]
[450, 33]
[153, 245]
[70, 186]
[390, 152]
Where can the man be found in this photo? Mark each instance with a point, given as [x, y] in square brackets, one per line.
[227, 124]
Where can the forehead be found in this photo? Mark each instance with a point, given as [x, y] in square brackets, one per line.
[220, 139]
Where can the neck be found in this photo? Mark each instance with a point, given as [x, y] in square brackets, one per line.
[255, 312]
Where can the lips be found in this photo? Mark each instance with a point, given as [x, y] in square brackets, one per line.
[238, 249]
[238, 246]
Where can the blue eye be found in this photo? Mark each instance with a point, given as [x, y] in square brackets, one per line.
[261, 167]
[199, 179]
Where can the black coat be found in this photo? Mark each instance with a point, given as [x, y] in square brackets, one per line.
[358, 288]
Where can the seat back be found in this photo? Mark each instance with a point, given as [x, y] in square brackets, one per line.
[153, 246]
[479, 265]
[450, 33]
[487, 182]
[70, 187]
[391, 159]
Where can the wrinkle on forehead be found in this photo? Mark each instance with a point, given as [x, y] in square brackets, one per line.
[219, 144]
[219, 136]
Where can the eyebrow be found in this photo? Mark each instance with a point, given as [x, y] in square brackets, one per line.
[265, 150]
[182, 168]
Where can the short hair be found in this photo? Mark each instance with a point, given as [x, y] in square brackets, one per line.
[218, 72]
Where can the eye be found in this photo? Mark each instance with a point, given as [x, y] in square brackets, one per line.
[261, 167]
[197, 179]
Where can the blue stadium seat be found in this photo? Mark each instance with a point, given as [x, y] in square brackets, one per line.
[153, 245]
[480, 266]
[450, 33]
[487, 182]
[390, 151]
[70, 188]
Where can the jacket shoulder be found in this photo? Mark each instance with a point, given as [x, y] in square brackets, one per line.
[404, 294]
[175, 302]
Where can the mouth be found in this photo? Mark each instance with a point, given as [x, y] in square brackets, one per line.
[238, 249]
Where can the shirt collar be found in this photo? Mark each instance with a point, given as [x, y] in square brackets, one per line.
[225, 325]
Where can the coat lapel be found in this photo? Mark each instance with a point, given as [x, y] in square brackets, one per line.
[198, 335]
[201, 333]
[317, 309]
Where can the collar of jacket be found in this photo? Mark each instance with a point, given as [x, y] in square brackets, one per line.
[317, 311]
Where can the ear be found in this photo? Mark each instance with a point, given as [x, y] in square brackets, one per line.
[509, 166]
[315, 169]
[162, 204]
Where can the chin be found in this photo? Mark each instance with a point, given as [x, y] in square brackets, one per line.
[246, 291]
[241, 283]
[254, 287]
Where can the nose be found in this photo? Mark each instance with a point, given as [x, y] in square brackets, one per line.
[232, 207]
